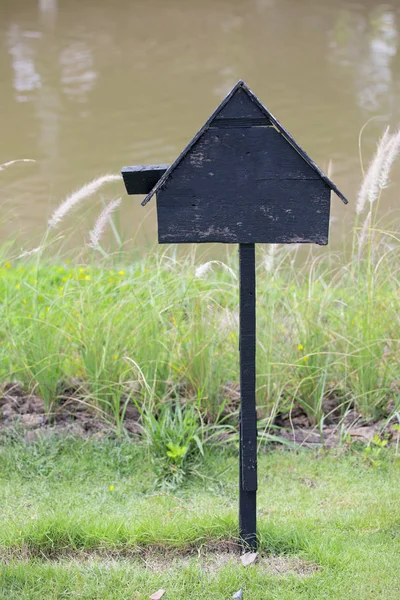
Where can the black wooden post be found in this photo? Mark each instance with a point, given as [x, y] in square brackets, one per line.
[241, 180]
[248, 415]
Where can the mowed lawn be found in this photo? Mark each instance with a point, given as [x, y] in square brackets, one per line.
[82, 519]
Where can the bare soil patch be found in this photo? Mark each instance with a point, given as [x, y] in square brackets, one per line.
[210, 558]
[295, 426]
[73, 416]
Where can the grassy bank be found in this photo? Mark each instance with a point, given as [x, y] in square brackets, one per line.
[148, 330]
[82, 520]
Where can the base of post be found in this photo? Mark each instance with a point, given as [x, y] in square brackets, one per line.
[247, 520]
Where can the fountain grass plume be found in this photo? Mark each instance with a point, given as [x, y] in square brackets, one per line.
[269, 257]
[377, 175]
[202, 270]
[96, 233]
[392, 151]
[27, 253]
[13, 162]
[81, 194]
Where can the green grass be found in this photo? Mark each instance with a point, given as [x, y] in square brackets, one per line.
[147, 330]
[66, 534]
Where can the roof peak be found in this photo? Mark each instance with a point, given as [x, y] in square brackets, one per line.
[265, 112]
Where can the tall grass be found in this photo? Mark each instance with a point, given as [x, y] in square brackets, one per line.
[153, 331]
[161, 328]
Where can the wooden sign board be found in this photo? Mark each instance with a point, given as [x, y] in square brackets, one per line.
[241, 180]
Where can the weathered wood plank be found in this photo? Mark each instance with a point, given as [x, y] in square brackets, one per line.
[245, 122]
[253, 153]
[275, 212]
[141, 179]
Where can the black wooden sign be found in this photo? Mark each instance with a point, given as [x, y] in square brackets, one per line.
[241, 180]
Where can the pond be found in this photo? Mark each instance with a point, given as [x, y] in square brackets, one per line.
[89, 86]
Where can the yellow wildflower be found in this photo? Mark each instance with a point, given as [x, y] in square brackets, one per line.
[64, 279]
[17, 286]
[47, 308]
[121, 273]
[300, 347]
[88, 277]
[8, 265]
[81, 270]
[111, 488]
[61, 288]
[306, 358]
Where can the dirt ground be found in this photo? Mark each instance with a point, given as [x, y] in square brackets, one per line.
[73, 417]
[210, 557]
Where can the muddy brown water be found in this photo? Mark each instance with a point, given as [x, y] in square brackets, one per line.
[90, 85]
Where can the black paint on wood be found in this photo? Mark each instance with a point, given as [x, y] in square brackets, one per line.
[247, 122]
[243, 185]
[247, 516]
[248, 415]
[142, 179]
[235, 107]
[242, 106]
[275, 213]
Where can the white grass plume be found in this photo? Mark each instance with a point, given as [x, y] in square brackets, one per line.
[392, 151]
[30, 252]
[101, 223]
[229, 321]
[370, 188]
[269, 257]
[13, 162]
[84, 192]
[203, 269]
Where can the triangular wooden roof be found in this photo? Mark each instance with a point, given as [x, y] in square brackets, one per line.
[259, 107]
